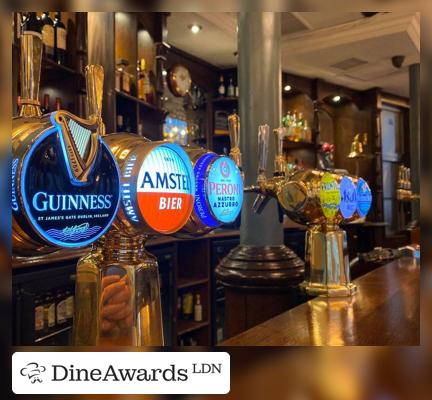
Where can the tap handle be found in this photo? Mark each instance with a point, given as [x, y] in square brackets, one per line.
[30, 65]
[234, 133]
[260, 202]
[94, 83]
[279, 157]
[263, 142]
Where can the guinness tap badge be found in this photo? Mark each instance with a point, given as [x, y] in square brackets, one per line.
[65, 181]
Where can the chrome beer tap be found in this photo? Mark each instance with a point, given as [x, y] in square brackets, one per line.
[320, 200]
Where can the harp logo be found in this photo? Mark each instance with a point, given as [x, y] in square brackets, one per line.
[165, 188]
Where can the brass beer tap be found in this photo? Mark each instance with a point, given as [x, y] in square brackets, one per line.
[313, 198]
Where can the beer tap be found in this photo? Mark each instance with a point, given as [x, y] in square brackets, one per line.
[65, 181]
[320, 200]
[219, 185]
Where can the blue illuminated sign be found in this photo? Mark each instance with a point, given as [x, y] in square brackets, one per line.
[348, 194]
[58, 210]
[219, 190]
[364, 198]
[201, 206]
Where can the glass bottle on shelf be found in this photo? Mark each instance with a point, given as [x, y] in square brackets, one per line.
[198, 309]
[31, 23]
[49, 311]
[39, 315]
[145, 89]
[120, 127]
[58, 103]
[123, 76]
[47, 35]
[236, 91]
[221, 89]
[60, 307]
[59, 39]
[230, 90]
[46, 104]
[187, 305]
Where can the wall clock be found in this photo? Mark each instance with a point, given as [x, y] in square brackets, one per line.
[179, 80]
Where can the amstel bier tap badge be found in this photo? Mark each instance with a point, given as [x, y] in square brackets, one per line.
[65, 183]
[219, 190]
[165, 188]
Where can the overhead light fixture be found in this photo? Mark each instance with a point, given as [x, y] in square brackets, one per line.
[164, 72]
[336, 99]
[194, 28]
[287, 88]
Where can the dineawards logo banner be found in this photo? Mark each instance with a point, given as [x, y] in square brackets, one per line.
[121, 373]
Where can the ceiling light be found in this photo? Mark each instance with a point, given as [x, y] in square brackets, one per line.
[164, 72]
[287, 88]
[195, 28]
[336, 99]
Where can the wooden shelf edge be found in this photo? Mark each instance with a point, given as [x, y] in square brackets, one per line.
[190, 326]
[185, 282]
[225, 99]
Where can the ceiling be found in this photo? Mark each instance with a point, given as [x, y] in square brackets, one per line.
[343, 48]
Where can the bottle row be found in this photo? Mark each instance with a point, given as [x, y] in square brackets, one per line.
[53, 310]
[296, 127]
[189, 307]
[125, 81]
[53, 31]
[229, 90]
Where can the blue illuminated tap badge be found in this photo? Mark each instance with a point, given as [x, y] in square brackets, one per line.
[219, 190]
[348, 192]
[58, 210]
[364, 197]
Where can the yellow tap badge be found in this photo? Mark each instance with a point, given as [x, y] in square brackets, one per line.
[330, 196]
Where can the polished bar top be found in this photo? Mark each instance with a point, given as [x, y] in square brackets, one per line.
[384, 311]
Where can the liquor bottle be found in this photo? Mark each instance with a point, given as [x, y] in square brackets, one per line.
[236, 91]
[58, 103]
[120, 126]
[59, 39]
[179, 307]
[39, 315]
[128, 127]
[198, 309]
[230, 90]
[46, 104]
[145, 89]
[47, 35]
[221, 89]
[31, 23]
[60, 307]
[49, 311]
[70, 304]
[187, 305]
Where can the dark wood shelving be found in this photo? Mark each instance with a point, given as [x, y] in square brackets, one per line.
[137, 100]
[225, 135]
[184, 326]
[183, 283]
[291, 145]
[51, 65]
[225, 99]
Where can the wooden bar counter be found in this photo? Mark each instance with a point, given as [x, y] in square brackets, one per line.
[384, 311]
